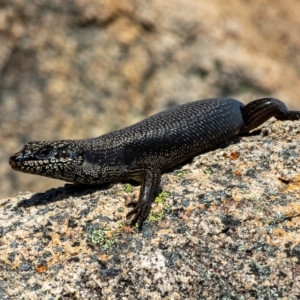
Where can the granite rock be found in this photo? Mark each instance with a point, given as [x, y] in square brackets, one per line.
[225, 226]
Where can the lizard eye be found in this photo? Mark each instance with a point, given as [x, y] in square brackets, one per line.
[45, 151]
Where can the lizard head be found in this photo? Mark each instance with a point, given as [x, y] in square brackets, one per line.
[56, 159]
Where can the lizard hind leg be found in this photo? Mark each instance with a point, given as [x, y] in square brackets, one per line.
[149, 189]
[258, 111]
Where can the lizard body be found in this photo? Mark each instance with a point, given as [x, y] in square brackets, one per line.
[146, 149]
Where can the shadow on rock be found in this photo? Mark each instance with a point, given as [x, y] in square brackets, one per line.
[61, 193]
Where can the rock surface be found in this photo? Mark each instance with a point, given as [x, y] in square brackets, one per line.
[78, 69]
[226, 226]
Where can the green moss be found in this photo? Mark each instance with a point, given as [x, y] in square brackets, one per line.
[156, 216]
[100, 237]
[161, 198]
[128, 188]
[208, 171]
[110, 242]
[182, 173]
[97, 236]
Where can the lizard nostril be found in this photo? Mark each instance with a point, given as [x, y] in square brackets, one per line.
[12, 161]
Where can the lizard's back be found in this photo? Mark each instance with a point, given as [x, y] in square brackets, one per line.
[170, 137]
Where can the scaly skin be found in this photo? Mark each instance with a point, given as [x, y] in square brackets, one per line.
[146, 149]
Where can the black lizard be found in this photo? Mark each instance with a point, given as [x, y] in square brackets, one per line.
[146, 149]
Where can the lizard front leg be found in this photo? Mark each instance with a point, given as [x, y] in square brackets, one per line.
[149, 189]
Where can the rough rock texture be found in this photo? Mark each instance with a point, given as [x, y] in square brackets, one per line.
[77, 69]
[226, 226]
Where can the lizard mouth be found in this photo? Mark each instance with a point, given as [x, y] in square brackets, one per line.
[15, 161]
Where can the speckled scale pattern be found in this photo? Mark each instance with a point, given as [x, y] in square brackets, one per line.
[144, 150]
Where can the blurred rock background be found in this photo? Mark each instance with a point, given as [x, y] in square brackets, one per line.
[74, 69]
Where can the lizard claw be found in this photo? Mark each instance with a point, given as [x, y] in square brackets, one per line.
[141, 212]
